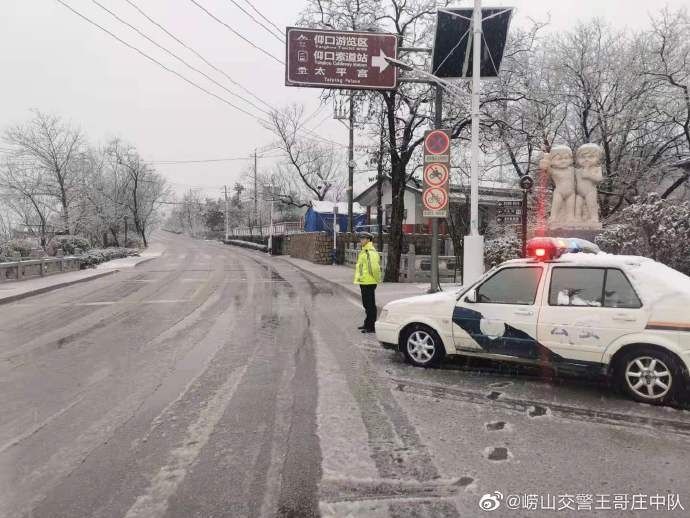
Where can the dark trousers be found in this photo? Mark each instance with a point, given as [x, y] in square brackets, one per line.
[369, 303]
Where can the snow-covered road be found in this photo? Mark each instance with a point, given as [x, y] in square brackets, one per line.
[215, 381]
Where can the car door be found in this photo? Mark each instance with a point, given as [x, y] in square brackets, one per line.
[500, 315]
[586, 309]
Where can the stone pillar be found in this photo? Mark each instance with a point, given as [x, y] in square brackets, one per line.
[411, 266]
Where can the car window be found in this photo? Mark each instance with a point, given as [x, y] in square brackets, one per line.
[510, 286]
[577, 287]
[619, 293]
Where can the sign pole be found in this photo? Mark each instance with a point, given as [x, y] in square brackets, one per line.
[526, 184]
[438, 121]
[270, 230]
[226, 212]
[351, 164]
[335, 230]
[523, 222]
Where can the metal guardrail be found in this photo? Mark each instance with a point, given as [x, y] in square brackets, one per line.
[28, 268]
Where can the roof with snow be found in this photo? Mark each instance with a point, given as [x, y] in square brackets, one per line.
[326, 207]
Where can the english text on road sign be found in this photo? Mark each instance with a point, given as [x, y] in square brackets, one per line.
[340, 59]
[435, 175]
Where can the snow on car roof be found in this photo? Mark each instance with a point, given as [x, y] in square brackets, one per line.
[656, 279]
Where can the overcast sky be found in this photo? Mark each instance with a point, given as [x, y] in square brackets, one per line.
[56, 62]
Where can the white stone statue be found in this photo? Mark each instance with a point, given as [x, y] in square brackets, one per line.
[559, 165]
[587, 176]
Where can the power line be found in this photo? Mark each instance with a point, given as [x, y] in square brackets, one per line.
[235, 32]
[270, 31]
[262, 16]
[132, 47]
[196, 53]
[304, 129]
[265, 123]
[210, 160]
[169, 52]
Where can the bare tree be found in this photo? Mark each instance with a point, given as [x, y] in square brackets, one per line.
[52, 148]
[26, 194]
[309, 170]
[668, 60]
[143, 186]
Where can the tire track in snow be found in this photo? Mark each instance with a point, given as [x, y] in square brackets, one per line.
[154, 502]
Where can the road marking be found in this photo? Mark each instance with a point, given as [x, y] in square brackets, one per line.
[154, 502]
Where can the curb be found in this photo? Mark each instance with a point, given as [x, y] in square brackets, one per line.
[145, 261]
[348, 292]
[46, 289]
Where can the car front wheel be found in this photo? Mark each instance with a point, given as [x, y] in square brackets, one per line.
[649, 375]
[422, 346]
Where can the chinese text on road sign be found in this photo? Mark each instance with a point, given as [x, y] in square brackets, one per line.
[436, 173]
[340, 59]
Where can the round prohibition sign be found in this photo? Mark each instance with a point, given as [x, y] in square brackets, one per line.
[437, 142]
[435, 198]
[435, 174]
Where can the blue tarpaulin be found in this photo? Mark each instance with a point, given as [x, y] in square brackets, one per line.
[319, 217]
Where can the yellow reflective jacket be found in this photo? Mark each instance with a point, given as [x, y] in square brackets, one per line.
[368, 269]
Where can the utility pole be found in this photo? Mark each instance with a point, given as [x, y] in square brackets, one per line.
[226, 212]
[256, 211]
[379, 183]
[438, 122]
[351, 164]
[270, 226]
[473, 249]
[339, 114]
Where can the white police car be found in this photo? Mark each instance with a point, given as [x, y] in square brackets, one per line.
[626, 317]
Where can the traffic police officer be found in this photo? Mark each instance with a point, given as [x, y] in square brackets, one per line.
[368, 275]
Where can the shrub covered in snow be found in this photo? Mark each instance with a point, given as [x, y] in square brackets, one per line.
[655, 228]
[101, 255]
[501, 248]
[68, 244]
[8, 249]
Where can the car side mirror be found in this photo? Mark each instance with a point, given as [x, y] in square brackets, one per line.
[471, 296]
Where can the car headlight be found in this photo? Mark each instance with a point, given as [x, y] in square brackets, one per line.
[383, 315]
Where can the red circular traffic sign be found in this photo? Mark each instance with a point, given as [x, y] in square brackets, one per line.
[435, 198]
[435, 175]
[437, 142]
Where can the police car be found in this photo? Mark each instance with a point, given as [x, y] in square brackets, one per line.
[626, 317]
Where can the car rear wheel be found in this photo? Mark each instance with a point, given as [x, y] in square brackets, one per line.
[649, 375]
[422, 346]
